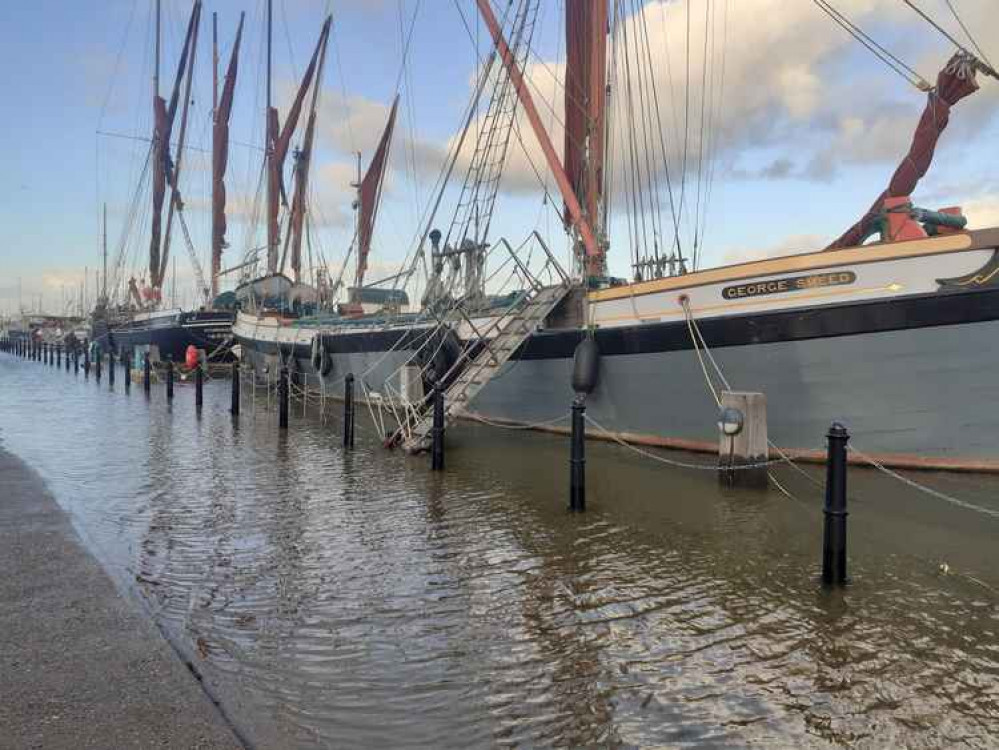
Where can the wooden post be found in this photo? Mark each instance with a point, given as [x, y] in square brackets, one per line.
[742, 439]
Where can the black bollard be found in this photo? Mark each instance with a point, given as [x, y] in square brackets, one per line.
[126, 362]
[437, 431]
[834, 532]
[199, 385]
[76, 363]
[86, 361]
[97, 364]
[45, 353]
[147, 374]
[111, 370]
[348, 411]
[577, 458]
[283, 398]
[169, 378]
[234, 396]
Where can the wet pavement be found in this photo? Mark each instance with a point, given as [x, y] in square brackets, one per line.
[80, 666]
[334, 599]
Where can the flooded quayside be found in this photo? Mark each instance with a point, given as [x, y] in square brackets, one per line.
[355, 598]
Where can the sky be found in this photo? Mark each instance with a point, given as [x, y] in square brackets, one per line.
[792, 127]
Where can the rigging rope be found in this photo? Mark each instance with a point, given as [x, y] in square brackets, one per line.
[984, 66]
[903, 70]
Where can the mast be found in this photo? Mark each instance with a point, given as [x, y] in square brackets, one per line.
[279, 140]
[215, 63]
[176, 204]
[156, 64]
[585, 94]
[303, 163]
[104, 291]
[163, 168]
[595, 262]
[271, 127]
[220, 154]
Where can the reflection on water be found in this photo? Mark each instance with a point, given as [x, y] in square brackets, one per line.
[358, 599]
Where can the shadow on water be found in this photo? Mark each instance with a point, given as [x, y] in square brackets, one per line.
[358, 599]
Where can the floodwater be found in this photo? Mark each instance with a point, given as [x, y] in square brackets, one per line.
[333, 599]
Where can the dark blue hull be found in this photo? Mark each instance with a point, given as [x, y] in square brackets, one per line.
[170, 334]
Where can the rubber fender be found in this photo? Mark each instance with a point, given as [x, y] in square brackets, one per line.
[326, 363]
[317, 353]
[585, 366]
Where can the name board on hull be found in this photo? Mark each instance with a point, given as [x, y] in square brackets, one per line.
[789, 284]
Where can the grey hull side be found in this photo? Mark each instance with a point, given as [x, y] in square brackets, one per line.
[927, 392]
[372, 369]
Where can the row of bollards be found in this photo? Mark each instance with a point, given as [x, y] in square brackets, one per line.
[52, 355]
[834, 548]
[834, 568]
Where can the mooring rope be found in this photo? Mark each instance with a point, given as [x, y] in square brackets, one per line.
[923, 488]
[532, 426]
[670, 462]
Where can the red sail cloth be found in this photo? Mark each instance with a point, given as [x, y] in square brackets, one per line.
[298, 199]
[163, 117]
[160, 157]
[955, 81]
[220, 156]
[278, 142]
[585, 94]
[370, 193]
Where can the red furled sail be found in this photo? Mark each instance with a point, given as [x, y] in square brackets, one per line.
[369, 195]
[279, 139]
[304, 161]
[955, 81]
[220, 157]
[585, 98]
[163, 117]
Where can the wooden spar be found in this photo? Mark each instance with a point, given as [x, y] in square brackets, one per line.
[594, 253]
[176, 204]
[104, 292]
[270, 129]
[215, 63]
[163, 116]
[279, 140]
[302, 173]
[156, 63]
[220, 155]
[216, 247]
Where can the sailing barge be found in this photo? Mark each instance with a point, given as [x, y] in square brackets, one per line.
[894, 338]
[140, 322]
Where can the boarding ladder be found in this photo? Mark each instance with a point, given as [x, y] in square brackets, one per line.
[511, 329]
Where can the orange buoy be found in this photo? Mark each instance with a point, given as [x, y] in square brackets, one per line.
[191, 357]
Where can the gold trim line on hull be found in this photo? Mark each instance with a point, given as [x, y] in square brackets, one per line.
[805, 262]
